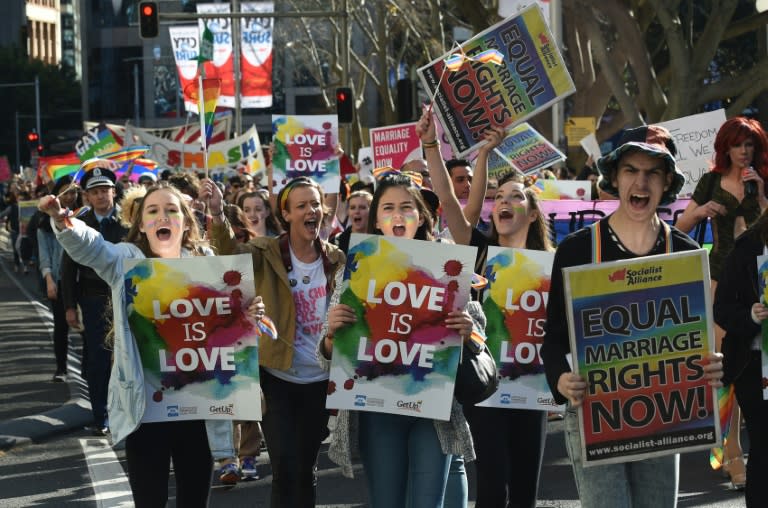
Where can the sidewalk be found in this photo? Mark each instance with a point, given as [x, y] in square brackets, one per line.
[32, 407]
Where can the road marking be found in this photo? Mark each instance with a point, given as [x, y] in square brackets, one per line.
[109, 481]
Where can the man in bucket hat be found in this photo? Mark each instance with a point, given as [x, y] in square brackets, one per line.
[642, 174]
[81, 286]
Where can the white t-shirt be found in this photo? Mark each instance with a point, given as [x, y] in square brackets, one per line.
[310, 298]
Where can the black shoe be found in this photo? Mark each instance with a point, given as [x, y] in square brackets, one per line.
[98, 431]
[59, 377]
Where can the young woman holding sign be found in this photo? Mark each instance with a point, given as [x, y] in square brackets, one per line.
[642, 174]
[295, 274]
[165, 228]
[406, 459]
[509, 443]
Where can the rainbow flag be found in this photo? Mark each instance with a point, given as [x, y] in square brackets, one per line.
[140, 167]
[211, 89]
[126, 154]
[493, 56]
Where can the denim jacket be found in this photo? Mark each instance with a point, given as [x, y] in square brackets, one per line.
[126, 401]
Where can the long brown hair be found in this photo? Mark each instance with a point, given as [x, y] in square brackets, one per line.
[399, 180]
[190, 240]
[272, 225]
[538, 237]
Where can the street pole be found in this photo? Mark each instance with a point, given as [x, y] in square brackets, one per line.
[236, 43]
[18, 150]
[136, 94]
[345, 67]
[37, 110]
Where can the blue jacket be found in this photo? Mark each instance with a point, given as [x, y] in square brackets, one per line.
[126, 401]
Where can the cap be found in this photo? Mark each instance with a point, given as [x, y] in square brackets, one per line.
[98, 177]
[147, 176]
[653, 140]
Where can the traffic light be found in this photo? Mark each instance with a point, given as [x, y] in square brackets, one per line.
[345, 107]
[149, 26]
[33, 138]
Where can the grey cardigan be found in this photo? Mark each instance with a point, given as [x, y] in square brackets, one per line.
[454, 435]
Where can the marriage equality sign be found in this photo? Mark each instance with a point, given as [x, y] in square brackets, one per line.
[198, 345]
[515, 307]
[477, 95]
[395, 145]
[640, 331]
[399, 357]
[524, 149]
[305, 145]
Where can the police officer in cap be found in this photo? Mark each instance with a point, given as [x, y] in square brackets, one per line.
[81, 286]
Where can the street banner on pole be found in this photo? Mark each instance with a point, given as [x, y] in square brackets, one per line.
[476, 96]
[256, 59]
[395, 145]
[640, 331]
[525, 149]
[305, 145]
[186, 50]
[198, 345]
[399, 357]
[222, 65]
[695, 141]
[243, 152]
[515, 307]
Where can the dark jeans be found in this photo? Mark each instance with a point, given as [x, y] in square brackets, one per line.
[509, 445]
[16, 258]
[294, 425]
[60, 331]
[99, 359]
[149, 451]
[750, 397]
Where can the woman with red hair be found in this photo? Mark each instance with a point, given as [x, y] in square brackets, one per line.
[732, 195]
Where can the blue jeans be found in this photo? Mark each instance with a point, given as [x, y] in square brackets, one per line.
[404, 464]
[98, 359]
[457, 488]
[646, 483]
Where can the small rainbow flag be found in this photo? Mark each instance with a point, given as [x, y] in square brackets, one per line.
[56, 166]
[454, 62]
[211, 88]
[493, 56]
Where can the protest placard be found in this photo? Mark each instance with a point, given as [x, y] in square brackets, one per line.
[591, 146]
[395, 145]
[399, 357]
[525, 149]
[640, 330]
[198, 346]
[515, 309]
[477, 95]
[694, 138]
[305, 145]
[762, 277]
[96, 141]
[26, 210]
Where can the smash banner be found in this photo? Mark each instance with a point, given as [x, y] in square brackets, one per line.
[640, 330]
[399, 357]
[186, 133]
[395, 145]
[525, 149]
[515, 307]
[305, 145]
[198, 346]
[477, 96]
[243, 152]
